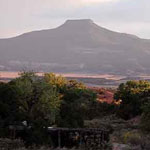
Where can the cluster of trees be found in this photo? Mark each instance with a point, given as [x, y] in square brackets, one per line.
[135, 101]
[28, 98]
[41, 102]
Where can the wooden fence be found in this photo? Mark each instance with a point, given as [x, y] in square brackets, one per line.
[88, 139]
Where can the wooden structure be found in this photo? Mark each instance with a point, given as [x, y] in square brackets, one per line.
[87, 138]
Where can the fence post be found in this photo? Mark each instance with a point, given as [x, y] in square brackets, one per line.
[59, 138]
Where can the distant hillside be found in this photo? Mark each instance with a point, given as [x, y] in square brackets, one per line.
[78, 46]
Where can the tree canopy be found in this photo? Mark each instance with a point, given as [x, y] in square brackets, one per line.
[133, 94]
[45, 101]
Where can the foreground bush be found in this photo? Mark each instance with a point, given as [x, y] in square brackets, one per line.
[46, 148]
[145, 119]
[8, 144]
[17, 144]
[131, 138]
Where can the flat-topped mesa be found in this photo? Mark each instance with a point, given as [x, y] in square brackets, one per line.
[78, 23]
[78, 46]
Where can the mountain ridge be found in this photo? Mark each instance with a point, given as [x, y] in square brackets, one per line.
[76, 46]
[70, 21]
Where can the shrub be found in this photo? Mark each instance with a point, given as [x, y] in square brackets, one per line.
[6, 144]
[133, 138]
[145, 119]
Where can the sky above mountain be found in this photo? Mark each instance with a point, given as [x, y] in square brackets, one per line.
[19, 16]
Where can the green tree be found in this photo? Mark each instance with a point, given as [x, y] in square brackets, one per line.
[54, 80]
[38, 101]
[75, 107]
[145, 119]
[76, 100]
[8, 103]
[132, 95]
[72, 84]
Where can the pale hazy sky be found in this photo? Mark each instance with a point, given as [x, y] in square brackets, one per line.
[129, 16]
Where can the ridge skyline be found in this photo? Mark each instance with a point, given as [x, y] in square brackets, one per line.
[69, 21]
[77, 46]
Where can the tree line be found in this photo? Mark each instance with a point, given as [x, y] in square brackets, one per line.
[53, 101]
[42, 102]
